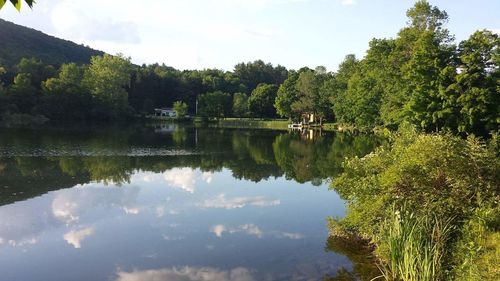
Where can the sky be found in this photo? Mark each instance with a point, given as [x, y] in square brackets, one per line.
[198, 34]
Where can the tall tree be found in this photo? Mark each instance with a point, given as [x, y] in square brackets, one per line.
[215, 104]
[475, 93]
[261, 101]
[106, 79]
[64, 96]
[287, 95]
[240, 105]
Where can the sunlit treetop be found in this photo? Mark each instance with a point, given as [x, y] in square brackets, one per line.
[17, 3]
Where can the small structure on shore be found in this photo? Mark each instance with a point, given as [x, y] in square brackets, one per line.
[165, 112]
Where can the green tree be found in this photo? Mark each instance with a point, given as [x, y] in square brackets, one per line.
[21, 95]
[338, 88]
[240, 105]
[254, 73]
[180, 108]
[287, 95]
[106, 79]
[215, 104]
[64, 96]
[261, 101]
[475, 93]
[38, 71]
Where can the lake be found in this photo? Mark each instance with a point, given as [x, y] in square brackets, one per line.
[172, 202]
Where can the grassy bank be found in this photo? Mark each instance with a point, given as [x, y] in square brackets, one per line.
[429, 204]
[276, 124]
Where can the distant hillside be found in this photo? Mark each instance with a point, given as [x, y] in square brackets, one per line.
[17, 41]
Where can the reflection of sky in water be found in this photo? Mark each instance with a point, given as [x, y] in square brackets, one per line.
[182, 224]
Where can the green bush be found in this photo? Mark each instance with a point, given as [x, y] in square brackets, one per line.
[435, 176]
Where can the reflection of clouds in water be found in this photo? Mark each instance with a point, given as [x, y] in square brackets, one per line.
[22, 223]
[68, 205]
[290, 235]
[188, 273]
[222, 202]
[131, 211]
[252, 229]
[218, 229]
[207, 176]
[75, 238]
[183, 178]
[249, 229]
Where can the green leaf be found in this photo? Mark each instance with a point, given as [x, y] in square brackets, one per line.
[17, 4]
[2, 2]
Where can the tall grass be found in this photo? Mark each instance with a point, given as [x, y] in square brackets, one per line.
[414, 246]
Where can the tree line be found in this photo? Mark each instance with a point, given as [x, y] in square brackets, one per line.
[421, 76]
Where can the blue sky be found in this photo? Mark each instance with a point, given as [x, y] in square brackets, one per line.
[197, 34]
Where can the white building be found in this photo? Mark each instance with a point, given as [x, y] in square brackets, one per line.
[165, 111]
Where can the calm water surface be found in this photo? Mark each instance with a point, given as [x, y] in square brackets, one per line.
[171, 203]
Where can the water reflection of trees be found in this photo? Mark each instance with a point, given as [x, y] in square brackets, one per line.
[64, 159]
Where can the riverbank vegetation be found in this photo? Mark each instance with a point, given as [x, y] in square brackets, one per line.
[429, 202]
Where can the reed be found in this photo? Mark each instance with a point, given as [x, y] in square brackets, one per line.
[414, 246]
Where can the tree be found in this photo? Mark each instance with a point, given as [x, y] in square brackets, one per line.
[338, 88]
[287, 95]
[21, 95]
[38, 71]
[307, 93]
[180, 108]
[261, 102]
[240, 105]
[254, 73]
[474, 95]
[17, 3]
[106, 79]
[64, 96]
[215, 104]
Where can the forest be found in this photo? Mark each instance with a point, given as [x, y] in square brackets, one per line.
[422, 76]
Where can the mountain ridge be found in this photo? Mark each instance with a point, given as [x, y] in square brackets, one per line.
[17, 41]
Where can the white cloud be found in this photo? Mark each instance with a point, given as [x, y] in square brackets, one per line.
[186, 178]
[75, 238]
[238, 202]
[218, 229]
[69, 205]
[183, 178]
[249, 229]
[72, 22]
[23, 242]
[207, 177]
[188, 274]
[131, 211]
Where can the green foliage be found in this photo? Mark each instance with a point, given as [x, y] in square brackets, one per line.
[17, 3]
[435, 176]
[106, 79]
[180, 108]
[216, 104]
[254, 73]
[240, 105]
[64, 96]
[474, 94]
[287, 95]
[261, 101]
[415, 246]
